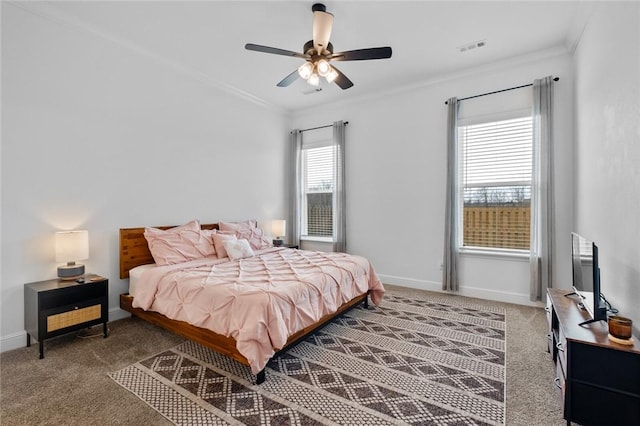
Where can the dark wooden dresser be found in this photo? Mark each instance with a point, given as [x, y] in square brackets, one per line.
[599, 379]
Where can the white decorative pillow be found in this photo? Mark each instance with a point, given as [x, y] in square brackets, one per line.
[218, 241]
[238, 249]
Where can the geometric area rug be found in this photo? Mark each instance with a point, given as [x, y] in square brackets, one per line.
[429, 361]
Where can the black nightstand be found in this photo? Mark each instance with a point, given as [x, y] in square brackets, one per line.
[56, 307]
[291, 246]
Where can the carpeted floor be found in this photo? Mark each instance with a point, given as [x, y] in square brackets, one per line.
[71, 385]
[411, 361]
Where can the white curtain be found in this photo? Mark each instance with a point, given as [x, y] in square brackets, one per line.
[339, 192]
[295, 179]
[450, 262]
[542, 205]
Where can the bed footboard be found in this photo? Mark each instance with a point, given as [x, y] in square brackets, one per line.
[227, 345]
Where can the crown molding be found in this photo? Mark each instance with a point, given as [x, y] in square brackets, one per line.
[47, 11]
[584, 14]
[442, 78]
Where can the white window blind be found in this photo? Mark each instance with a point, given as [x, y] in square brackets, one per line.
[319, 169]
[318, 187]
[496, 165]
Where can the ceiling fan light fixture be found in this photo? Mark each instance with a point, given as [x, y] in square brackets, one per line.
[323, 67]
[318, 52]
[305, 70]
[331, 75]
[314, 79]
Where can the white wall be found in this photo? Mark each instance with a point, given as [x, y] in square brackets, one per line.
[97, 137]
[396, 164]
[607, 169]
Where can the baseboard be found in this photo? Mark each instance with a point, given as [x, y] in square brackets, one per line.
[13, 341]
[117, 314]
[480, 293]
[19, 339]
[410, 282]
[499, 296]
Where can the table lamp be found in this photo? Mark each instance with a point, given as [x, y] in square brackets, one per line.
[70, 247]
[278, 229]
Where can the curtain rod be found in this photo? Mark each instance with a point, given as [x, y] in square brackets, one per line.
[497, 91]
[321, 127]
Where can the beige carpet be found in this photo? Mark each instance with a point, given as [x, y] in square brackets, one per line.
[71, 385]
[411, 361]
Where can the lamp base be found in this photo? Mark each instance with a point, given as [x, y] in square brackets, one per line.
[70, 272]
[277, 243]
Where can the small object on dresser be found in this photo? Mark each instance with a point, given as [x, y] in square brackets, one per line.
[620, 330]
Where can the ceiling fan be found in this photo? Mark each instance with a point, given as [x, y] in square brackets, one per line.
[318, 52]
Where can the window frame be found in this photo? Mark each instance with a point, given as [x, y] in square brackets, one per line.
[304, 219]
[492, 252]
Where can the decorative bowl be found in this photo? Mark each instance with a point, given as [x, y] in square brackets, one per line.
[620, 327]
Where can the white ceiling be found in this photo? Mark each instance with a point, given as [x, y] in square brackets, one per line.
[205, 39]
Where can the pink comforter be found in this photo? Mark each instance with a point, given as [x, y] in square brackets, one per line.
[259, 301]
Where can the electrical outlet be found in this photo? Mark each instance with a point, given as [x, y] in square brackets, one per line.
[441, 265]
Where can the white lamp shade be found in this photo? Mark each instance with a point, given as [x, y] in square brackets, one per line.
[323, 67]
[72, 246]
[279, 228]
[331, 75]
[314, 79]
[305, 70]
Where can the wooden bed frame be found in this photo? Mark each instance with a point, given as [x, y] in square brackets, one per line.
[134, 251]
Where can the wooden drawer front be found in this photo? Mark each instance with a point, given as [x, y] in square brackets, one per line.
[599, 367]
[74, 294]
[598, 406]
[74, 317]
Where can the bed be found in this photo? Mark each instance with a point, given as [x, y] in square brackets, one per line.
[235, 307]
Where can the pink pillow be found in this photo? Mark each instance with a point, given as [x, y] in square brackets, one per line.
[238, 249]
[256, 237]
[218, 241]
[180, 244]
[236, 226]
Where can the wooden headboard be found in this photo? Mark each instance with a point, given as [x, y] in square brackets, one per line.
[134, 250]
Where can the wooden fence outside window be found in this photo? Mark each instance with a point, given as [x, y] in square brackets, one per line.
[497, 227]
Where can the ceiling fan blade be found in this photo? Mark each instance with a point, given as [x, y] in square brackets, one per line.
[289, 79]
[362, 54]
[322, 25]
[274, 50]
[342, 80]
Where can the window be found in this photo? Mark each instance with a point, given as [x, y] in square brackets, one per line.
[318, 185]
[495, 179]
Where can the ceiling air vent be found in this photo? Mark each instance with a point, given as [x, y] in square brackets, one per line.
[471, 46]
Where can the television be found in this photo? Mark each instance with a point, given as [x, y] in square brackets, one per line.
[586, 277]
